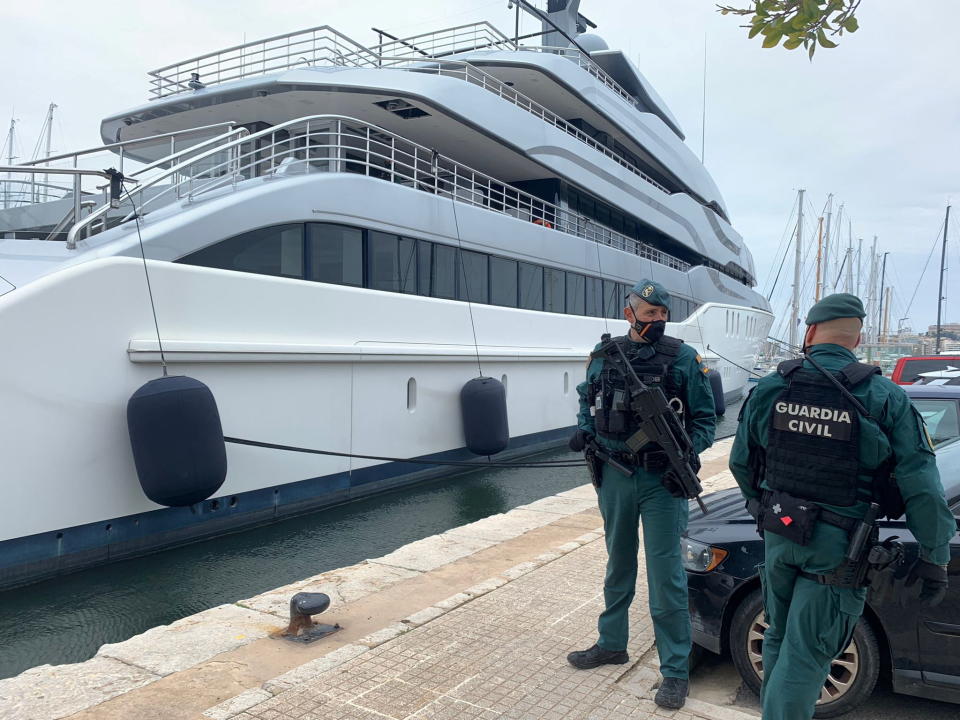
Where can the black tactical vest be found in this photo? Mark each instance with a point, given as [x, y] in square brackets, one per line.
[653, 363]
[813, 443]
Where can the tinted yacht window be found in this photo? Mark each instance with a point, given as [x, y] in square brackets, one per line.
[443, 278]
[554, 290]
[594, 297]
[575, 294]
[531, 286]
[391, 264]
[276, 250]
[336, 254]
[473, 278]
[503, 282]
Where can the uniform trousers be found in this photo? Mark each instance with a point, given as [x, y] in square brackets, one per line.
[809, 624]
[624, 501]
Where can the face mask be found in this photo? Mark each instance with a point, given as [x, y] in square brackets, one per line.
[650, 331]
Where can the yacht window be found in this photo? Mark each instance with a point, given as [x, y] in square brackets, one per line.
[531, 286]
[473, 278]
[390, 263]
[335, 253]
[276, 250]
[443, 277]
[424, 258]
[554, 290]
[575, 294]
[612, 299]
[594, 297]
[503, 282]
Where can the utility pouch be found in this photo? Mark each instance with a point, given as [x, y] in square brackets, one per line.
[789, 516]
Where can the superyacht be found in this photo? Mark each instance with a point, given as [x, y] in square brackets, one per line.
[335, 237]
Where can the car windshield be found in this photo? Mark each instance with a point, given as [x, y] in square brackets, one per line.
[942, 416]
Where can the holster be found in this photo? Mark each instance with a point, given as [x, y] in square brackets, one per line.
[594, 467]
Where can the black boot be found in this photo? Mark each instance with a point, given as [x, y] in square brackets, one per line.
[597, 656]
[672, 693]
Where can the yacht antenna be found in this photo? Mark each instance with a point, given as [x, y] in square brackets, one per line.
[943, 260]
[795, 307]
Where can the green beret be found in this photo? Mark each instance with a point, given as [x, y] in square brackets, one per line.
[832, 307]
[652, 292]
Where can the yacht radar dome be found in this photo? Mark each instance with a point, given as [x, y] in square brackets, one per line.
[592, 43]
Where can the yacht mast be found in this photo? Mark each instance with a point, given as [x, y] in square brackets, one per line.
[943, 260]
[795, 307]
[859, 267]
[883, 280]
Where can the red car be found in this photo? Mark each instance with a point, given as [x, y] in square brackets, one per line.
[909, 369]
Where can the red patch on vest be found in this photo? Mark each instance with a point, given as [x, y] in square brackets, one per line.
[786, 520]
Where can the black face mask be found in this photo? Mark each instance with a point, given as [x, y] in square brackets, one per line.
[650, 331]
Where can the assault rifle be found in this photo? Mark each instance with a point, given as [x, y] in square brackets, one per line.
[658, 423]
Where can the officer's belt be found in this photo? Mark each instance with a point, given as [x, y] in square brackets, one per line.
[649, 460]
[830, 518]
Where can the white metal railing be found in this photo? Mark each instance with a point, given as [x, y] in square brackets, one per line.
[437, 43]
[464, 70]
[320, 45]
[323, 45]
[586, 63]
[201, 159]
[23, 187]
[333, 143]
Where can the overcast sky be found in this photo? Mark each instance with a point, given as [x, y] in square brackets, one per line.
[874, 121]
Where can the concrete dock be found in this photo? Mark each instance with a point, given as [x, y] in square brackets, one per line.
[472, 623]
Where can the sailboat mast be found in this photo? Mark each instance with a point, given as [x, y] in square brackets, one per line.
[826, 247]
[883, 279]
[859, 269]
[849, 283]
[943, 261]
[795, 307]
[819, 285]
[872, 291]
[10, 158]
[49, 125]
[886, 317]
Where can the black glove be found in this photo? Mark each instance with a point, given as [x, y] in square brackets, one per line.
[933, 582]
[671, 483]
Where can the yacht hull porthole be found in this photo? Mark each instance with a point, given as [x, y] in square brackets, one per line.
[177, 441]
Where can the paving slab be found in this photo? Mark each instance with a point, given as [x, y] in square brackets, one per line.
[169, 648]
[50, 692]
[432, 552]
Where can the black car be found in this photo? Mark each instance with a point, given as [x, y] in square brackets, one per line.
[919, 649]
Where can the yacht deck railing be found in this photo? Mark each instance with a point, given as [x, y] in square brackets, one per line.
[334, 143]
[438, 43]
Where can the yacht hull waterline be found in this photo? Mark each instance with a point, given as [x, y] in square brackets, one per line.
[336, 281]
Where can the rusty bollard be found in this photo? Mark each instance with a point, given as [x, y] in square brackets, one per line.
[302, 628]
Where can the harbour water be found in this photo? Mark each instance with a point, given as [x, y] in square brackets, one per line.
[67, 619]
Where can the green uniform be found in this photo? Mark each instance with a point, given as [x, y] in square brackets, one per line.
[811, 624]
[624, 501]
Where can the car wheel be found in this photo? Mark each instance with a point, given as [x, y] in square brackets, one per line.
[852, 675]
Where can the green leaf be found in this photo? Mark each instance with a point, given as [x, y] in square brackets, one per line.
[772, 40]
[754, 31]
[851, 24]
[824, 42]
[793, 43]
[811, 49]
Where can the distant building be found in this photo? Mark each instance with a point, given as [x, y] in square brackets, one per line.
[946, 327]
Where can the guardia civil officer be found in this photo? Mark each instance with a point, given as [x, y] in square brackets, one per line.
[815, 461]
[675, 367]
